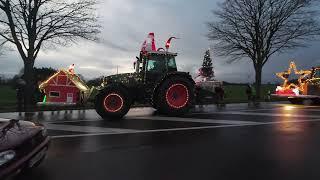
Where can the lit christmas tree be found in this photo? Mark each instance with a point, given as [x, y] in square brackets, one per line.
[207, 70]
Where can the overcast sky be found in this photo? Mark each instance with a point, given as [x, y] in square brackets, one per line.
[126, 24]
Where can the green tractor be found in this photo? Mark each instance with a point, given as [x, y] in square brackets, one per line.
[156, 81]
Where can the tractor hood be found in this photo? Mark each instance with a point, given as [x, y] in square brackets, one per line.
[125, 78]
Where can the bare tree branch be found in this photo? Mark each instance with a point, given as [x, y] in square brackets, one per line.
[257, 29]
[32, 25]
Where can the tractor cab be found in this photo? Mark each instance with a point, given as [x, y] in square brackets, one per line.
[154, 65]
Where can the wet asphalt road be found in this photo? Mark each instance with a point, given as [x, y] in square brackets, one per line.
[272, 141]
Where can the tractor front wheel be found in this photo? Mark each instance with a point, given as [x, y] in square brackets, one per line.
[113, 103]
[175, 96]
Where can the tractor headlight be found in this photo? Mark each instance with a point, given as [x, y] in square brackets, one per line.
[6, 156]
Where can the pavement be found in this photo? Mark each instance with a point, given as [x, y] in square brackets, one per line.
[236, 141]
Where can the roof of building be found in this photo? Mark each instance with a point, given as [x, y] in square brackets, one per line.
[73, 77]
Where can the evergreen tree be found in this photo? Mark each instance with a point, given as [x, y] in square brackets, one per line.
[207, 69]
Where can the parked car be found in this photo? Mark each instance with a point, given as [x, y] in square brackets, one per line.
[23, 146]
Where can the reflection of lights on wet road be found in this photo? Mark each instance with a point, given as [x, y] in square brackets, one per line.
[288, 108]
[286, 126]
[289, 136]
[290, 127]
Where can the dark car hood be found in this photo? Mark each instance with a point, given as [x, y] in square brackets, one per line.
[13, 133]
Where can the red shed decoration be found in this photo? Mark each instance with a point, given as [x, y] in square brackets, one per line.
[65, 87]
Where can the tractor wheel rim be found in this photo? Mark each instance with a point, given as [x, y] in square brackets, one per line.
[113, 102]
[177, 96]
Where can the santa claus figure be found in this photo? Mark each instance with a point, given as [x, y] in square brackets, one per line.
[71, 68]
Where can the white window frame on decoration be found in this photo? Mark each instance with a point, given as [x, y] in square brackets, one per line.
[54, 92]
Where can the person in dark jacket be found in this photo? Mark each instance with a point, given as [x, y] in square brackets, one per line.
[20, 85]
[249, 92]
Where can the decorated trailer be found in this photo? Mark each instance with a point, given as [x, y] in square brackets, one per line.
[208, 89]
[64, 88]
[303, 90]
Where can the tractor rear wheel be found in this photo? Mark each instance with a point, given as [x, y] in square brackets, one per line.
[113, 103]
[175, 96]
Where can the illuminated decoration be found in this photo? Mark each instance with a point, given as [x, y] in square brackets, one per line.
[113, 102]
[205, 73]
[177, 96]
[287, 91]
[44, 99]
[288, 88]
[71, 68]
[149, 44]
[64, 87]
[168, 43]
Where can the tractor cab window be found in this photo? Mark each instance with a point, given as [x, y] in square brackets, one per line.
[156, 64]
[172, 64]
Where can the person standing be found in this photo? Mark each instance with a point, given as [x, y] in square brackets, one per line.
[220, 94]
[269, 96]
[20, 84]
[249, 92]
[253, 94]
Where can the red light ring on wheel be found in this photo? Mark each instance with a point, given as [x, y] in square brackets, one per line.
[182, 93]
[113, 98]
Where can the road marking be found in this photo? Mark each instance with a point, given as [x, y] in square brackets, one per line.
[281, 109]
[183, 129]
[262, 109]
[87, 129]
[261, 114]
[211, 121]
[72, 121]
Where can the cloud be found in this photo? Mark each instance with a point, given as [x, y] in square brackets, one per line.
[114, 46]
[126, 24]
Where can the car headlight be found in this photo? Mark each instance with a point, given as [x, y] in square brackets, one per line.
[44, 132]
[6, 156]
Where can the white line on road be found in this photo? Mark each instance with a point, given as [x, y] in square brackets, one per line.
[261, 114]
[87, 129]
[282, 109]
[211, 121]
[72, 121]
[182, 129]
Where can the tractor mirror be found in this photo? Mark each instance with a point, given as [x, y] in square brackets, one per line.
[134, 65]
[138, 59]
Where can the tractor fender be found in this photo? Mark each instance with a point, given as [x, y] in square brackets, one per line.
[168, 76]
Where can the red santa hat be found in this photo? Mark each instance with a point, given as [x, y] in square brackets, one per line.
[149, 43]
